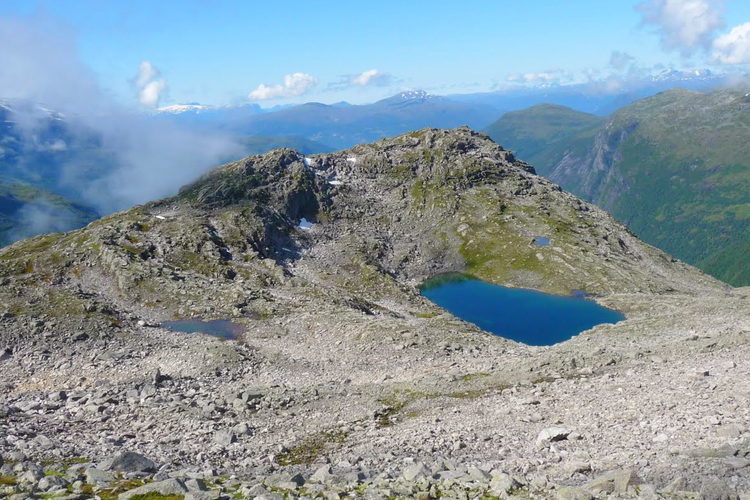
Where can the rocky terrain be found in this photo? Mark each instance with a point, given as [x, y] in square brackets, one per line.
[346, 382]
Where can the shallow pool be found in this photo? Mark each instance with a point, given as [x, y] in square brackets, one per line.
[526, 316]
[222, 328]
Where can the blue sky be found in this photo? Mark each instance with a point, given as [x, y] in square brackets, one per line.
[219, 52]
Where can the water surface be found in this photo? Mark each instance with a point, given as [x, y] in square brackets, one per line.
[222, 328]
[522, 315]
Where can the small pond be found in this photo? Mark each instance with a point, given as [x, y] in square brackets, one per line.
[541, 241]
[527, 316]
[222, 328]
[305, 224]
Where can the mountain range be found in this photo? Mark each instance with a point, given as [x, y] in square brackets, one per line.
[674, 167]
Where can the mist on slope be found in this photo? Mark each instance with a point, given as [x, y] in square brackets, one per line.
[145, 158]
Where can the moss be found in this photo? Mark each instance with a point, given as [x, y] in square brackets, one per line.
[309, 450]
[8, 481]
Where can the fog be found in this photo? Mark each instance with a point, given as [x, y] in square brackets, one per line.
[145, 159]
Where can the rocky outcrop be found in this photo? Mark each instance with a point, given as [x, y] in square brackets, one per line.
[345, 380]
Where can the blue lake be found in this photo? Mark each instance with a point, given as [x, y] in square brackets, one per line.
[222, 328]
[526, 316]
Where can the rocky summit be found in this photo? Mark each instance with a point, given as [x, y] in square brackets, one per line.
[345, 380]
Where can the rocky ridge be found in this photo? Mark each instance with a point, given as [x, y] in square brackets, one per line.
[346, 381]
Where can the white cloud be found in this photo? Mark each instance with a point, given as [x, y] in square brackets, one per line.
[371, 77]
[295, 84]
[684, 25]
[550, 77]
[620, 60]
[148, 84]
[733, 47]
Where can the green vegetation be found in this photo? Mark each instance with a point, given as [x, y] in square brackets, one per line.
[309, 449]
[543, 134]
[674, 167]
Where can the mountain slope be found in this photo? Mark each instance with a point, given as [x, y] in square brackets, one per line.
[674, 167]
[342, 126]
[26, 211]
[341, 359]
[544, 134]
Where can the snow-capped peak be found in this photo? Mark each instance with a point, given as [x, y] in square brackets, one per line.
[183, 108]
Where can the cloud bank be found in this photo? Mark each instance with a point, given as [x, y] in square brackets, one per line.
[294, 85]
[733, 47]
[683, 25]
[146, 158]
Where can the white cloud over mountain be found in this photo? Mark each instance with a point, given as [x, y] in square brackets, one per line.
[294, 85]
[149, 84]
[371, 77]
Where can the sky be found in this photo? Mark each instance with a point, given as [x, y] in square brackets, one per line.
[149, 54]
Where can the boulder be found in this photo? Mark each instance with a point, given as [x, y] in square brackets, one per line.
[169, 487]
[129, 461]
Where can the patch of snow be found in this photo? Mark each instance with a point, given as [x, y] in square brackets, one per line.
[335, 183]
[182, 108]
[160, 217]
[308, 161]
[352, 159]
[305, 224]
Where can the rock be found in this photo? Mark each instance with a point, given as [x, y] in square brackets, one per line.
[225, 437]
[415, 471]
[502, 483]
[203, 495]
[478, 474]
[322, 475]
[552, 434]
[572, 493]
[613, 482]
[51, 483]
[129, 461]
[169, 487]
[98, 477]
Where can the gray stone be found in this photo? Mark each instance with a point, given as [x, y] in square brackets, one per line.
[502, 483]
[552, 434]
[129, 461]
[572, 493]
[169, 487]
[415, 471]
[225, 437]
[51, 482]
[322, 475]
[98, 477]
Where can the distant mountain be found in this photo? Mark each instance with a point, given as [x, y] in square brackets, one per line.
[675, 167]
[260, 144]
[342, 125]
[27, 211]
[596, 97]
[543, 134]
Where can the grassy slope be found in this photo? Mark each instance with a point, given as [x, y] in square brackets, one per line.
[541, 135]
[687, 165]
[685, 161]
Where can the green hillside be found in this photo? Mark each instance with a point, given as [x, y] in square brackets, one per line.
[675, 167]
[26, 211]
[543, 134]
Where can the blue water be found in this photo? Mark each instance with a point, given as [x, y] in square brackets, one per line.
[222, 328]
[541, 241]
[526, 316]
[305, 224]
